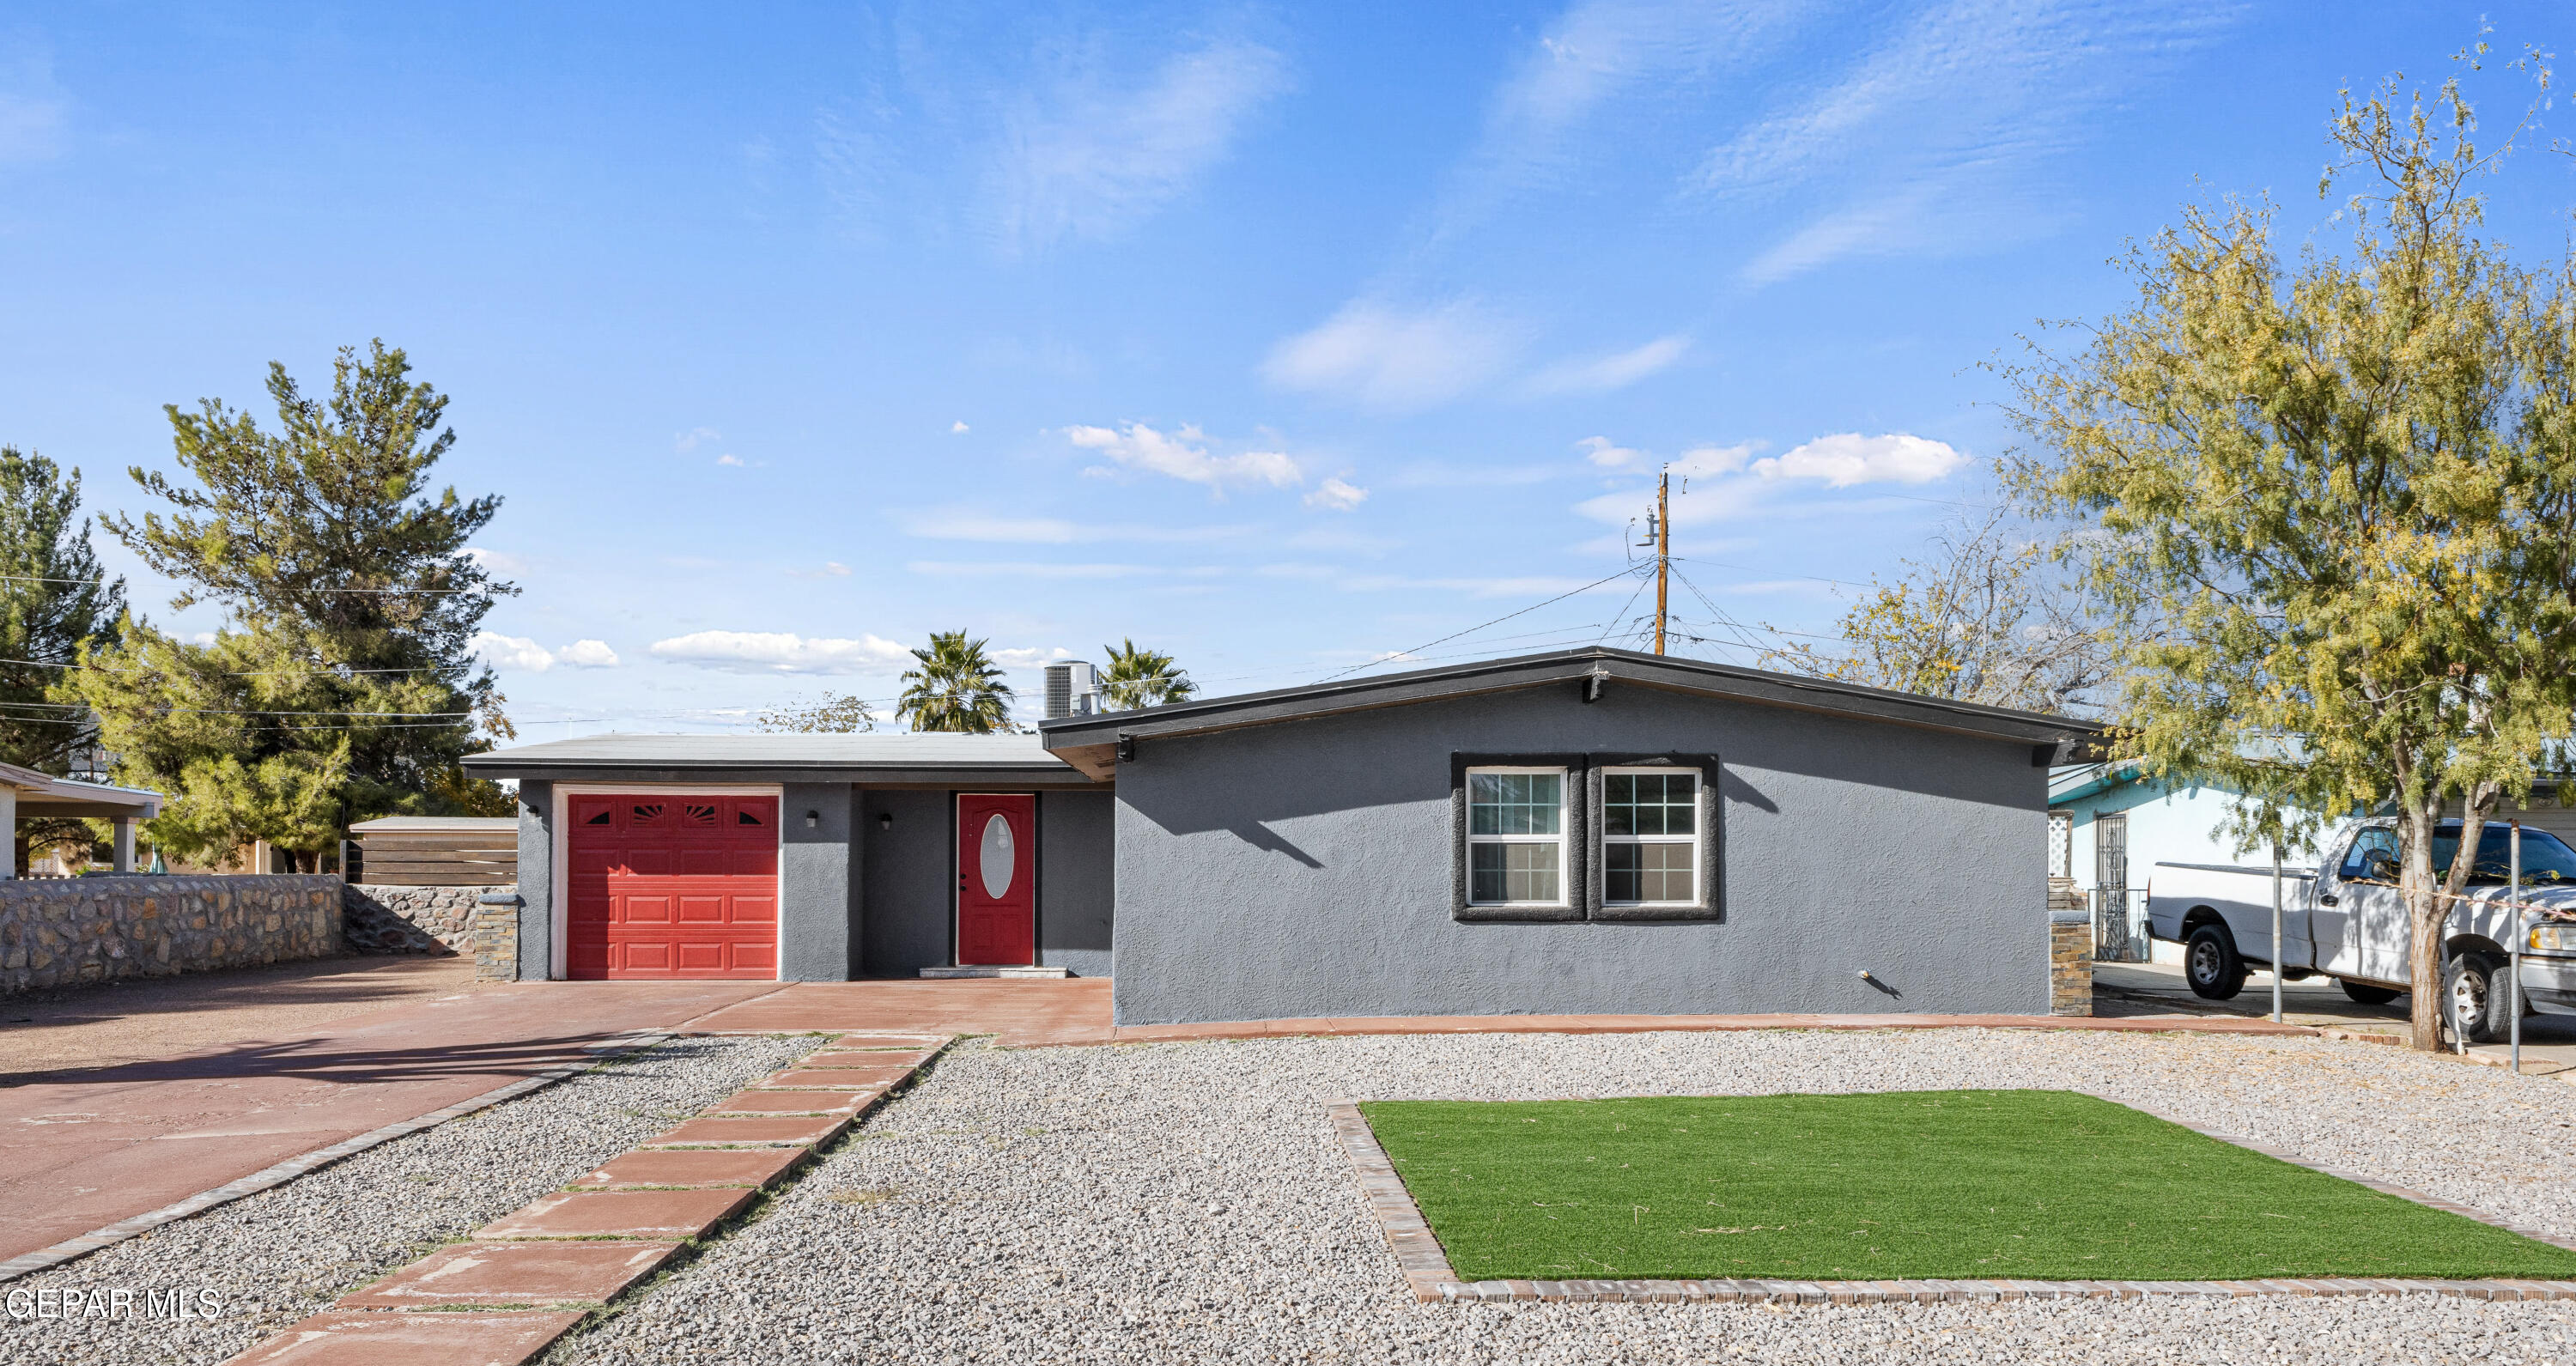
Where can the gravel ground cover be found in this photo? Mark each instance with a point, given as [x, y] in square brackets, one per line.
[277, 1256]
[1187, 1203]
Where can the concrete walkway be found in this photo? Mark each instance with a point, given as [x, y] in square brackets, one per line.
[146, 1019]
[2158, 991]
[80, 1150]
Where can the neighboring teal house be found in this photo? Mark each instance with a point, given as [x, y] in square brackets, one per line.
[2109, 826]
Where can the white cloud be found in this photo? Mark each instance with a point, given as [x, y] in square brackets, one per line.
[1704, 460]
[1079, 158]
[1551, 117]
[832, 569]
[1031, 657]
[522, 653]
[496, 561]
[1609, 455]
[1718, 483]
[1398, 360]
[1849, 458]
[1602, 374]
[781, 652]
[690, 440]
[733, 460]
[1917, 169]
[957, 426]
[1184, 455]
[1336, 495]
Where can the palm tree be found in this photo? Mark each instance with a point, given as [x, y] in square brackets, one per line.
[957, 688]
[1143, 678]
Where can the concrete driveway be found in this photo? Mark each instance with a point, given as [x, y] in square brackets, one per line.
[2151, 989]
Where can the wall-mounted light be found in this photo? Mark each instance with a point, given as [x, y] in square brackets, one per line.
[885, 820]
[812, 819]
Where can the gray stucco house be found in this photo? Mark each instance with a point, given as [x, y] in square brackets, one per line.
[1583, 832]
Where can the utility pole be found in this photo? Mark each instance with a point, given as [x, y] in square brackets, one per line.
[1663, 546]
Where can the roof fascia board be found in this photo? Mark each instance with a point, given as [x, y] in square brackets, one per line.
[1506, 675]
[605, 772]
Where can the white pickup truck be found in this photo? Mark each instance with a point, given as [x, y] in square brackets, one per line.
[2343, 919]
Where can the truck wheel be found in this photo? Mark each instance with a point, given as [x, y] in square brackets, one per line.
[2210, 964]
[2363, 993]
[2476, 984]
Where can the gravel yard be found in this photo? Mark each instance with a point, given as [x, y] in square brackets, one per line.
[1185, 1202]
[284, 1253]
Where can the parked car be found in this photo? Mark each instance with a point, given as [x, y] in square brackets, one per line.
[2344, 919]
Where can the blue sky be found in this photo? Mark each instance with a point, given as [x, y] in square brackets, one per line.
[1278, 338]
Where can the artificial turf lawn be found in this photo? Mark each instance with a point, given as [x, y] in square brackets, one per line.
[2030, 1185]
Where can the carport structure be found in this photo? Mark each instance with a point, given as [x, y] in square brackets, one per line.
[26, 794]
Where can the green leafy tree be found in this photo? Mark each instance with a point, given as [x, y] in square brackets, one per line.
[342, 685]
[957, 687]
[830, 714]
[53, 600]
[2348, 488]
[1142, 678]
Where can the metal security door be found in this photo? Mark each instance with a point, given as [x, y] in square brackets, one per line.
[2111, 888]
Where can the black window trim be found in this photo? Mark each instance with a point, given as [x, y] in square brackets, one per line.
[1711, 905]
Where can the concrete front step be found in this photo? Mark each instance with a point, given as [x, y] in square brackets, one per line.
[619, 1214]
[365, 1338]
[467, 1274]
[1010, 972]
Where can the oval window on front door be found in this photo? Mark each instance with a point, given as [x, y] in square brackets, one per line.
[994, 857]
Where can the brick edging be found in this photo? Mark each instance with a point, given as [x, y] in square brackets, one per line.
[1427, 1270]
[27, 1263]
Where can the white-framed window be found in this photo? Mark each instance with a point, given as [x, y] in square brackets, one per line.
[1650, 850]
[1516, 836]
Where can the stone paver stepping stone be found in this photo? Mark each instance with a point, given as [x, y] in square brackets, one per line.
[756, 1167]
[841, 1078]
[619, 1214]
[514, 1274]
[771, 1129]
[379, 1339]
[837, 1058]
[794, 1102]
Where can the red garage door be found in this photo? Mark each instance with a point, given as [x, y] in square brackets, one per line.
[664, 886]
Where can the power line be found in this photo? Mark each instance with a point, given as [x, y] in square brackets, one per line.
[1401, 654]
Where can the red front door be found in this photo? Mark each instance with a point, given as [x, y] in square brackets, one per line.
[997, 877]
[663, 886]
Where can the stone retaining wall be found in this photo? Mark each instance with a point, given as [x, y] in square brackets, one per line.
[383, 918]
[2070, 950]
[59, 932]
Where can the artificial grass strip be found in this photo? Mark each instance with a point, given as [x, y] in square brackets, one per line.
[1905, 1185]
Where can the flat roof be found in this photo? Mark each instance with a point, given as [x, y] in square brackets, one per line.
[434, 825]
[928, 757]
[1090, 741]
[43, 794]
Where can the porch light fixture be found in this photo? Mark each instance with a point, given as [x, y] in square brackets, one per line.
[812, 819]
[885, 820]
